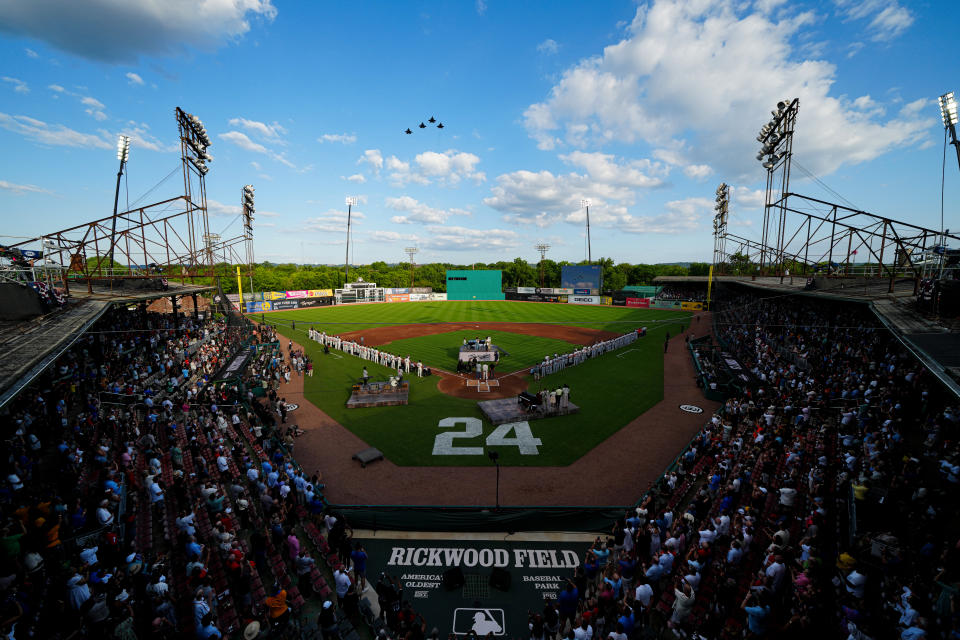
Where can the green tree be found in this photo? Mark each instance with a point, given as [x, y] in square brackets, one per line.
[740, 264]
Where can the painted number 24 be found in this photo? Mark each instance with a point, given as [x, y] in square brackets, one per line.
[523, 438]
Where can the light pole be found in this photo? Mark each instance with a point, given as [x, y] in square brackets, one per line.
[495, 456]
[246, 200]
[948, 112]
[585, 204]
[412, 251]
[542, 247]
[123, 154]
[346, 275]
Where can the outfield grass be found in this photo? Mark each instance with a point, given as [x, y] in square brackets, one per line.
[442, 349]
[611, 390]
[344, 318]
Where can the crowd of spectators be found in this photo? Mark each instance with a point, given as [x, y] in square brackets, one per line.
[816, 503]
[686, 293]
[142, 499]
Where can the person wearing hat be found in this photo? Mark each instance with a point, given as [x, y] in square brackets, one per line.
[252, 631]
[327, 621]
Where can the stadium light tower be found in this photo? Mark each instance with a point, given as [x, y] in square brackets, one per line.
[123, 154]
[351, 201]
[585, 204]
[948, 111]
[542, 247]
[411, 252]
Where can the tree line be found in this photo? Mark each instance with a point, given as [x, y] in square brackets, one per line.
[269, 276]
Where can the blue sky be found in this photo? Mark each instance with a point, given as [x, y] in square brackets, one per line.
[641, 108]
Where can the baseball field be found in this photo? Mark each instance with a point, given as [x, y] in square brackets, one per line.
[610, 390]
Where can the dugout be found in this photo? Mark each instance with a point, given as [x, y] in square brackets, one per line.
[464, 284]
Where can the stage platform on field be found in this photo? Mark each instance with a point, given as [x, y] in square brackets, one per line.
[482, 351]
[510, 410]
[378, 394]
[482, 386]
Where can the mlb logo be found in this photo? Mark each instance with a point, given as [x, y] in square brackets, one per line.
[479, 621]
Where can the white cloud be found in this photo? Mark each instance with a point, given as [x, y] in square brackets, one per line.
[216, 208]
[746, 198]
[449, 168]
[271, 132]
[141, 138]
[680, 216]
[20, 189]
[481, 6]
[31, 53]
[19, 86]
[392, 236]
[446, 238]
[357, 178]
[94, 108]
[57, 88]
[548, 46]
[698, 171]
[243, 141]
[134, 78]
[345, 138]
[136, 28]
[649, 87]
[604, 168]
[255, 165]
[372, 157]
[416, 211]
[332, 221]
[542, 198]
[55, 135]
[887, 19]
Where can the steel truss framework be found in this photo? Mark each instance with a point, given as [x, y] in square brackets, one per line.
[166, 239]
[812, 235]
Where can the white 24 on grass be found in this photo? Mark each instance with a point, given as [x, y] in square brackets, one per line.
[524, 441]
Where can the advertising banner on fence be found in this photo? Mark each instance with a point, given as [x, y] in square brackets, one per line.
[438, 296]
[274, 295]
[315, 302]
[295, 295]
[421, 290]
[581, 292]
[398, 297]
[606, 300]
[526, 290]
[321, 293]
[285, 304]
[691, 306]
[665, 304]
[420, 297]
[643, 303]
[251, 297]
[257, 307]
[619, 302]
[583, 299]
[397, 291]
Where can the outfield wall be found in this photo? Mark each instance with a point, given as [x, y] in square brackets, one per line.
[470, 284]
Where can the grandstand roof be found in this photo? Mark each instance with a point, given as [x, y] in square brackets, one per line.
[30, 346]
